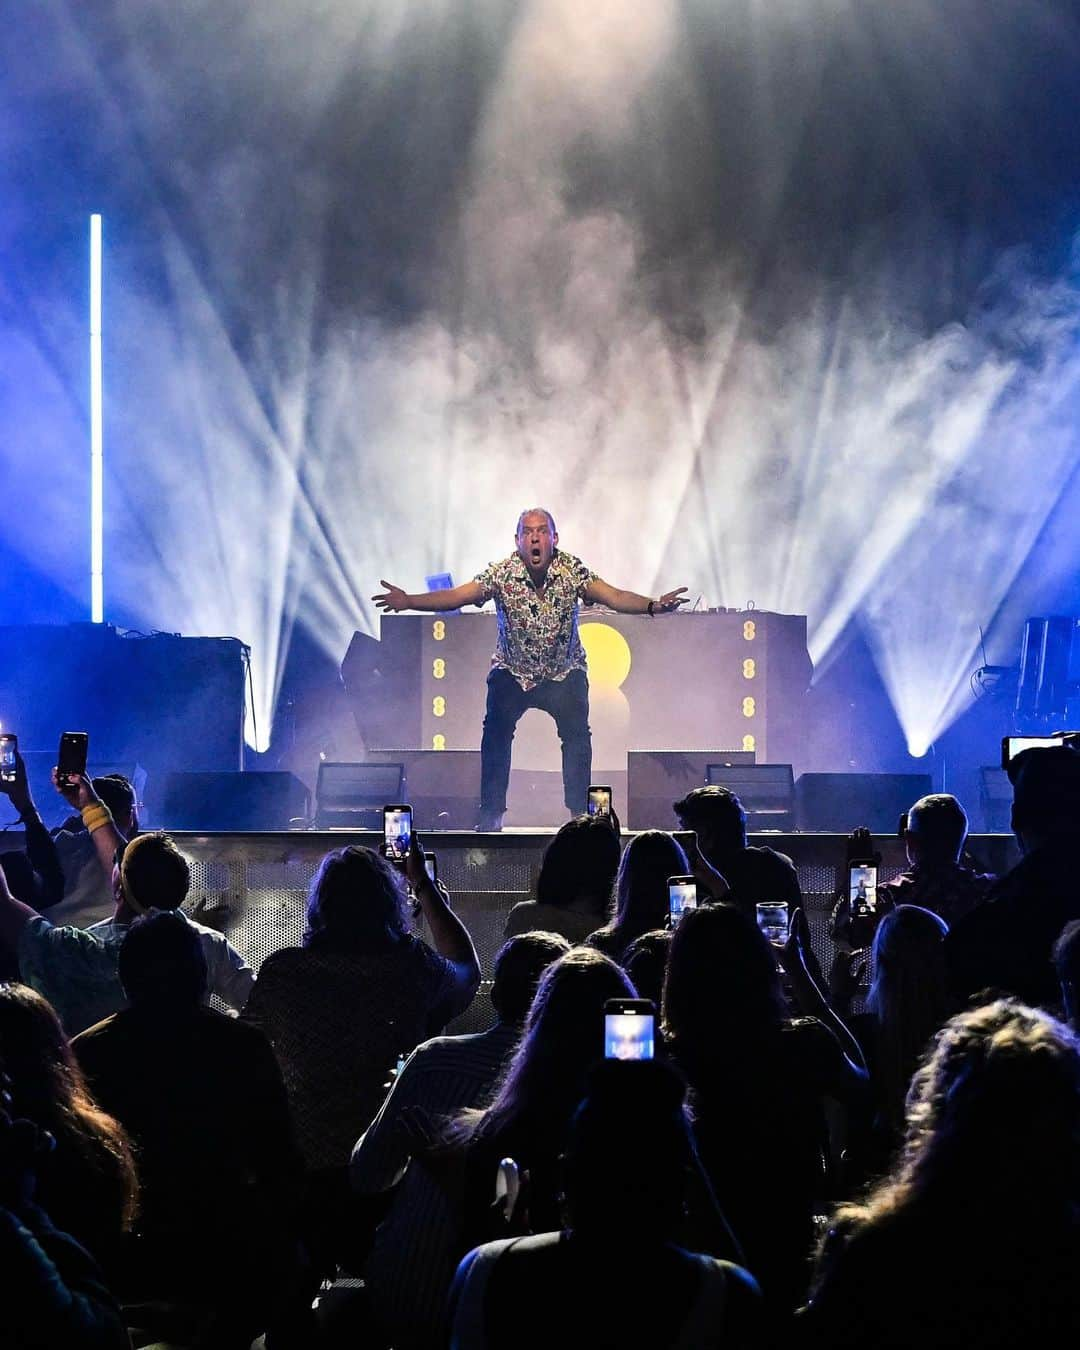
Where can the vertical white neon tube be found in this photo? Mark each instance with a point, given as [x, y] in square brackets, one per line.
[97, 589]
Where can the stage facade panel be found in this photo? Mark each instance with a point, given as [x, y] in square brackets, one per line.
[690, 681]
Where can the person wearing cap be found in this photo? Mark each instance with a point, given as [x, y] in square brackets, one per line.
[1005, 944]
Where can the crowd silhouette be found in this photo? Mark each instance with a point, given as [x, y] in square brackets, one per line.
[883, 1154]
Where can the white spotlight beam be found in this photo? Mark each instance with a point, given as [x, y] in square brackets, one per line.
[97, 589]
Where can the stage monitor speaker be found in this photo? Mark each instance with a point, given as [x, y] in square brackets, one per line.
[995, 798]
[656, 779]
[767, 792]
[352, 795]
[233, 801]
[840, 802]
[441, 786]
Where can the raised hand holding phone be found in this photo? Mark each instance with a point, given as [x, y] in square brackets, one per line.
[13, 781]
[682, 895]
[9, 758]
[76, 789]
[397, 831]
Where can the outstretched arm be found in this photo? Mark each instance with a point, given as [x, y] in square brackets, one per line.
[394, 599]
[629, 602]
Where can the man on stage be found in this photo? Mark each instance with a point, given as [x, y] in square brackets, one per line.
[539, 661]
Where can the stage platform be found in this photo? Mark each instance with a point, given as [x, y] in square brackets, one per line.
[253, 886]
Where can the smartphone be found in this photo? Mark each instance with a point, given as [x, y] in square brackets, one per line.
[628, 1028]
[862, 889]
[71, 757]
[507, 1188]
[773, 920]
[599, 800]
[682, 895]
[1011, 746]
[397, 831]
[9, 744]
[431, 866]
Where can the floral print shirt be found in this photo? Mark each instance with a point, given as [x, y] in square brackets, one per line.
[538, 632]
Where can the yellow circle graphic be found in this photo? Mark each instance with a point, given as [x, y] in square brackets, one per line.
[608, 653]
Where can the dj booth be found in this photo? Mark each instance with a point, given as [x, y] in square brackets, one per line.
[682, 683]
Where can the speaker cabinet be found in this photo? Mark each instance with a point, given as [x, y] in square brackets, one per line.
[233, 801]
[656, 779]
[840, 802]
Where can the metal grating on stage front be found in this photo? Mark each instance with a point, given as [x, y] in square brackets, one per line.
[253, 887]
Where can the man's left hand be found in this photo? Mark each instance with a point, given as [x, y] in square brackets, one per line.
[671, 600]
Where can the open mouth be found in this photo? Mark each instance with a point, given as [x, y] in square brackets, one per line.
[536, 555]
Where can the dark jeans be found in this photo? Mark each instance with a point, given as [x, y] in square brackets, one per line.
[568, 703]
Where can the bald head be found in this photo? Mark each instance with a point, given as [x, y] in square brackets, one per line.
[535, 511]
[936, 829]
[535, 540]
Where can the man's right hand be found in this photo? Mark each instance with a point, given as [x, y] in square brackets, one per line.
[393, 598]
[76, 790]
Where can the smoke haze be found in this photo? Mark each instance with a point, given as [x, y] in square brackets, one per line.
[776, 302]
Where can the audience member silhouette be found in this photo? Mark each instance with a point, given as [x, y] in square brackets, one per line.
[641, 891]
[573, 888]
[202, 1097]
[1067, 964]
[624, 1184]
[34, 875]
[539, 1090]
[758, 1081]
[1005, 944]
[645, 962]
[974, 1239]
[412, 1259]
[361, 991]
[55, 1293]
[907, 1005]
[75, 968]
[937, 877]
[753, 874]
[86, 1183]
[88, 890]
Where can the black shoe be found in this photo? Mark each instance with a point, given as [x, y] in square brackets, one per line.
[490, 822]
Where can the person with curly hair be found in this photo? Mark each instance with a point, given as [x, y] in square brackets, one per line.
[361, 991]
[974, 1238]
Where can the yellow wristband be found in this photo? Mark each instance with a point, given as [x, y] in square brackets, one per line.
[95, 815]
